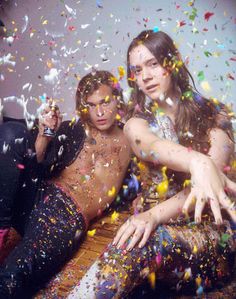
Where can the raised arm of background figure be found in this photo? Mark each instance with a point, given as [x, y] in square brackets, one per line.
[207, 182]
[51, 119]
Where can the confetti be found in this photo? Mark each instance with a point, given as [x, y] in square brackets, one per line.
[114, 217]
[201, 76]
[91, 233]
[208, 15]
[111, 192]
[152, 279]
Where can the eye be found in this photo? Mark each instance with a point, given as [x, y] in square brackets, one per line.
[154, 63]
[91, 105]
[137, 71]
[106, 103]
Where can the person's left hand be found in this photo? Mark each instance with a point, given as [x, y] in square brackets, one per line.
[137, 227]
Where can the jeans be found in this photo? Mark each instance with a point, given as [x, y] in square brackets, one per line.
[52, 236]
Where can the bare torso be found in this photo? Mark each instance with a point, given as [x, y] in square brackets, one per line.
[96, 175]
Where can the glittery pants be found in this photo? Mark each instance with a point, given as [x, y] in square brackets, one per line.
[52, 236]
[17, 185]
[190, 254]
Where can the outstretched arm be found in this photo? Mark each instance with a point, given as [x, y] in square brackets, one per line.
[206, 180]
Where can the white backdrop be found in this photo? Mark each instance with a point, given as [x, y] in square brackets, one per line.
[48, 45]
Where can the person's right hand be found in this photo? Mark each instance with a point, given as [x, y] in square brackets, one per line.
[208, 185]
[49, 117]
[138, 228]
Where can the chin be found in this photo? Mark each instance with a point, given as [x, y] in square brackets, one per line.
[104, 128]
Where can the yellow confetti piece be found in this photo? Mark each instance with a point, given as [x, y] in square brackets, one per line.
[118, 117]
[152, 279]
[162, 188]
[233, 164]
[121, 71]
[205, 86]
[141, 166]
[72, 121]
[49, 64]
[45, 22]
[111, 192]
[198, 281]
[186, 183]
[187, 274]
[114, 216]
[91, 233]
[195, 250]
[178, 250]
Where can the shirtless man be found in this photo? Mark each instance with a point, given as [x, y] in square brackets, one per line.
[87, 177]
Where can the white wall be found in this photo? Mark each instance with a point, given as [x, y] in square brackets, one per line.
[72, 36]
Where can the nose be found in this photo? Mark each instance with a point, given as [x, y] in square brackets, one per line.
[146, 75]
[99, 110]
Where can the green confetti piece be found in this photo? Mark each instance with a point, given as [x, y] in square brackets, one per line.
[201, 76]
[207, 53]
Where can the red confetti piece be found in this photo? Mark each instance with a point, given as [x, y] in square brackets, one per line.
[71, 28]
[233, 58]
[230, 77]
[208, 15]
[181, 23]
[20, 166]
[205, 29]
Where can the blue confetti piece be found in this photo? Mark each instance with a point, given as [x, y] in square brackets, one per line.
[155, 29]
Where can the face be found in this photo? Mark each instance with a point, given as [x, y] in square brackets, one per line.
[150, 76]
[102, 107]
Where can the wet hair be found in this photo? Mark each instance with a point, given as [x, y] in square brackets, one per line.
[194, 113]
[91, 83]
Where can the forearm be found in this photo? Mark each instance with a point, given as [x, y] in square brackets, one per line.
[41, 144]
[176, 156]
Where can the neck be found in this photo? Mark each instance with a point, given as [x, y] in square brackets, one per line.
[169, 104]
[94, 132]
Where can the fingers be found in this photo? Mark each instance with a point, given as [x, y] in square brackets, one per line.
[146, 235]
[136, 237]
[200, 204]
[215, 207]
[120, 232]
[188, 203]
[127, 233]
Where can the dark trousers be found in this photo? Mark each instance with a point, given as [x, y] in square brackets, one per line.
[18, 185]
[52, 236]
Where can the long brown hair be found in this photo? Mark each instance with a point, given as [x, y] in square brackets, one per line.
[92, 82]
[195, 115]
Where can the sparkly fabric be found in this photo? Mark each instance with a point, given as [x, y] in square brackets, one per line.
[152, 175]
[51, 238]
[177, 253]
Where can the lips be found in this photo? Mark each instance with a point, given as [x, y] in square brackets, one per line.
[152, 87]
[101, 121]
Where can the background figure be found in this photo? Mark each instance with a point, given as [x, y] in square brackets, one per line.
[165, 109]
[20, 151]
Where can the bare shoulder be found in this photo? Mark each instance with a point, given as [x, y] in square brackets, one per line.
[135, 125]
[219, 135]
